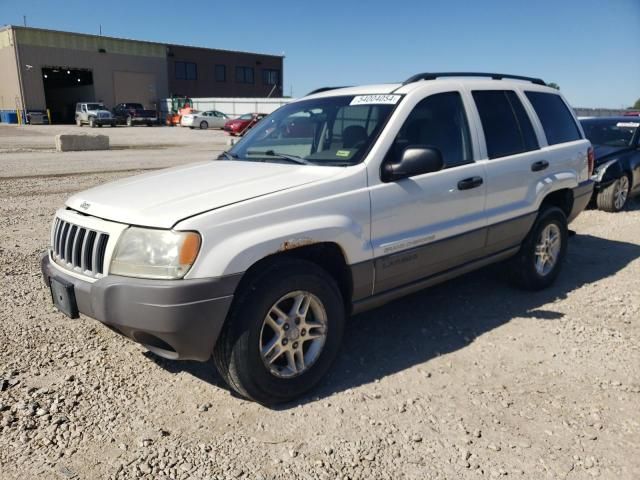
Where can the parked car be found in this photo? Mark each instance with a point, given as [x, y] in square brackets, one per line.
[616, 142]
[242, 124]
[93, 114]
[257, 259]
[131, 114]
[204, 120]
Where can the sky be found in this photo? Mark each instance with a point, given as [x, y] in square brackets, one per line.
[591, 48]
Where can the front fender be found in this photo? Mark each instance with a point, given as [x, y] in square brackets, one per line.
[607, 173]
[237, 253]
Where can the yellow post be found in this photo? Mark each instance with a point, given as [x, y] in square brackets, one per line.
[49, 116]
[19, 117]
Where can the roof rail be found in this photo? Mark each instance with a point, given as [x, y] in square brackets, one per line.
[323, 89]
[494, 76]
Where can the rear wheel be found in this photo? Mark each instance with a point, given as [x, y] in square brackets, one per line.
[283, 332]
[204, 125]
[542, 253]
[78, 122]
[92, 122]
[615, 196]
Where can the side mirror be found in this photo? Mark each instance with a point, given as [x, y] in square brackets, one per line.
[415, 160]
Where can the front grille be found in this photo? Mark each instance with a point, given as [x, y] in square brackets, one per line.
[103, 115]
[79, 248]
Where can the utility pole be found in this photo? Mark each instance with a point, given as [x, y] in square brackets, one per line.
[24, 20]
[100, 29]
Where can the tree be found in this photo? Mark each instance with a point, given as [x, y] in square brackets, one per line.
[636, 106]
[554, 85]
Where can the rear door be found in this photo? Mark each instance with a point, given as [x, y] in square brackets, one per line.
[514, 166]
[429, 223]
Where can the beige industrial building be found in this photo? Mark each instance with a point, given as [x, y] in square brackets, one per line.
[46, 69]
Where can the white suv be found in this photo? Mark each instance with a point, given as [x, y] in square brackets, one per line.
[336, 203]
[93, 114]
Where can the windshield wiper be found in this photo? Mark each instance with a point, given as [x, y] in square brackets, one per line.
[228, 156]
[283, 156]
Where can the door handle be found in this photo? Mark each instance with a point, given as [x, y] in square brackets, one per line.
[469, 183]
[538, 166]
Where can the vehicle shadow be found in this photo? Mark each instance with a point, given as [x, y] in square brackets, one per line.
[445, 318]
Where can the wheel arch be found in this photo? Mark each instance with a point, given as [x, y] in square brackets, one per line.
[327, 255]
[562, 198]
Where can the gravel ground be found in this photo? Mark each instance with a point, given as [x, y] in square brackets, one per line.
[470, 379]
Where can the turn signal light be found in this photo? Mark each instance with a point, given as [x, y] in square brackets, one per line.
[591, 160]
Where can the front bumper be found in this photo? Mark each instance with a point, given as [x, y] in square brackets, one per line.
[581, 198]
[176, 319]
[144, 120]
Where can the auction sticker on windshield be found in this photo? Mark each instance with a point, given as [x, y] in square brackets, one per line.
[375, 100]
[628, 124]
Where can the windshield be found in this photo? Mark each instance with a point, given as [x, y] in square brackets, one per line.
[246, 116]
[133, 106]
[95, 106]
[323, 131]
[610, 132]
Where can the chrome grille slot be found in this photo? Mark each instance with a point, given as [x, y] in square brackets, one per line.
[78, 248]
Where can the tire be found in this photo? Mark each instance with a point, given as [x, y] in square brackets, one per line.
[92, 122]
[78, 122]
[204, 125]
[129, 122]
[525, 266]
[192, 128]
[149, 124]
[100, 125]
[237, 354]
[614, 197]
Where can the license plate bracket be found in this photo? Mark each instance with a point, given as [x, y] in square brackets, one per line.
[64, 297]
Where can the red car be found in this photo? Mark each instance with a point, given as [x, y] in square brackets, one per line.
[238, 126]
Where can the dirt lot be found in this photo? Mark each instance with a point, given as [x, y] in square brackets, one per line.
[471, 379]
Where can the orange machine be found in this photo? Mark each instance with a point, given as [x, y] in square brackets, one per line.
[179, 106]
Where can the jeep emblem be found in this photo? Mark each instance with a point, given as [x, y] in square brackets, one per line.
[85, 205]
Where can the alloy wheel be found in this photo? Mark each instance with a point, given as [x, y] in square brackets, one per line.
[293, 334]
[621, 192]
[548, 249]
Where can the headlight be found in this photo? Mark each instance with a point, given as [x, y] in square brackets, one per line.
[149, 253]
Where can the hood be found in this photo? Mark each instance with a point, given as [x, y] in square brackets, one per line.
[604, 152]
[162, 198]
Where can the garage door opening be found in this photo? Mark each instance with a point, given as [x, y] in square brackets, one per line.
[63, 88]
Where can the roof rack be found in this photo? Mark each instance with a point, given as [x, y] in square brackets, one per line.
[323, 89]
[494, 76]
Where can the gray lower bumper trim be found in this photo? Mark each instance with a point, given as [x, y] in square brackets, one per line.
[175, 318]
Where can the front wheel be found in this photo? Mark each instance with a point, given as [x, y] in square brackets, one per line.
[129, 122]
[614, 197]
[542, 252]
[92, 122]
[78, 122]
[204, 125]
[283, 333]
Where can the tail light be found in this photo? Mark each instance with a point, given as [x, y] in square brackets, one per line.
[591, 160]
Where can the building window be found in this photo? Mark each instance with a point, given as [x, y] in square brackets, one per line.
[186, 71]
[270, 77]
[221, 73]
[244, 74]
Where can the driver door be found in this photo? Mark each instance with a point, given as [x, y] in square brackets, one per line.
[430, 223]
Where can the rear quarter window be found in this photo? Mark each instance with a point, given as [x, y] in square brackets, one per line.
[557, 122]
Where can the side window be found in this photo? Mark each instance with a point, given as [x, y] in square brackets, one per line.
[437, 121]
[507, 127]
[557, 122]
